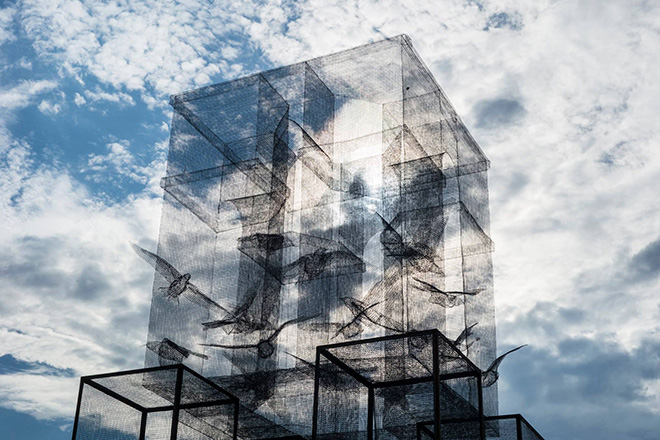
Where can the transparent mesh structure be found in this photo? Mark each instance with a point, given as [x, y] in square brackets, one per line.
[162, 403]
[335, 200]
[384, 387]
[503, 427]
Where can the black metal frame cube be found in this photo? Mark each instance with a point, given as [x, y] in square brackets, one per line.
[502, 427]
[383, 387]
[166, 402]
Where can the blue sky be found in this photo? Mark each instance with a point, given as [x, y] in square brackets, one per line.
[561, 95]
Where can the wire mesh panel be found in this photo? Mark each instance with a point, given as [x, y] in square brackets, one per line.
[163, 403]
[384, 387]
[503, 427]
[328, 201]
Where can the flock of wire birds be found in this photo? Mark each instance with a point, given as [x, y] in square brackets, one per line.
[240, 320]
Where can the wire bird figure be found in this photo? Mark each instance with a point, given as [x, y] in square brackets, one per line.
[354, 327]
[447, 299]
[418, 254]
[315, 264]
[490, 376]
[180, 285]
[265, 242]
[466, 333]
[168, 350]
[365, 312]
[240, 319]
[265, 347]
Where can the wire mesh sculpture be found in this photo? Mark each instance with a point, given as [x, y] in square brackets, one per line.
[167, 402]
[327, 202]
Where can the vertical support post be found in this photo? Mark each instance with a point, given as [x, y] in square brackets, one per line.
[519, 435]
[482, 420]
[436, 388]
[177, 402]
[371, 402]
[315, 411]
[235, 436]
[143, 425]
[75, 422]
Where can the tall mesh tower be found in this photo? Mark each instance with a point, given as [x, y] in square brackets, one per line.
[332, 200]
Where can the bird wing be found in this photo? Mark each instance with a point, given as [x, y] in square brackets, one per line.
[389, 238]
[496, 363]
[428, 287]
[464, 292]
[295, 269]
[464, 335]
[162, 267]
[218, 323]
[344, 258]
[249, 298]
[193, 294]
[230, 347]
[289, 322]
[306, 362]
[381, 320]
[354, 305]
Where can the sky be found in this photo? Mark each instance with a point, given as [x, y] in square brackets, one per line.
[561, 95]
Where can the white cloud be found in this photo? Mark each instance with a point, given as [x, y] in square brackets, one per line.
[119, 161]
[81, 303]
[147, 46]
[22, 94]
[79, 100]
[99, 96]
[6, 21]
[563, 100]
[48, 108]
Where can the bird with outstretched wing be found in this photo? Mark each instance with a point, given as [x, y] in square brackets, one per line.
[367, 312]
[465, 334]
[447, 299]
[240, 320]
[419, 255]
[313, 265]
[180, 285]
[265, 347]
[171, 351]
[490, 376]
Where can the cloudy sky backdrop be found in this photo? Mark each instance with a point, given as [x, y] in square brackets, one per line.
[563, 97]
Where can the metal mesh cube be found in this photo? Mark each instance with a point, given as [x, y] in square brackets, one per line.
[161, 403]
[383, 387]
[502, 427]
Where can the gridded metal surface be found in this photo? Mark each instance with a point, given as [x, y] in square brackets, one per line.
[382, 388]
[329, 201]
[503, 427]
[162, 403]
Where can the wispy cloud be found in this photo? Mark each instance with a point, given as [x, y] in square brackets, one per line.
[159, 47]
[66, 256]
[561, 95]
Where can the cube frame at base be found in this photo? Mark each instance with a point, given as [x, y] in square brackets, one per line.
[172, 401]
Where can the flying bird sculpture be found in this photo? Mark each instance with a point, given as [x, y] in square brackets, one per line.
[447, 299]
[180, 285]
[417, 254]
[354, 327]
[265, 347]
[315, 264]
[490, 376]
[465, 334]
[367, 312]
[240, 319]
[265, 242]
[168, 350]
